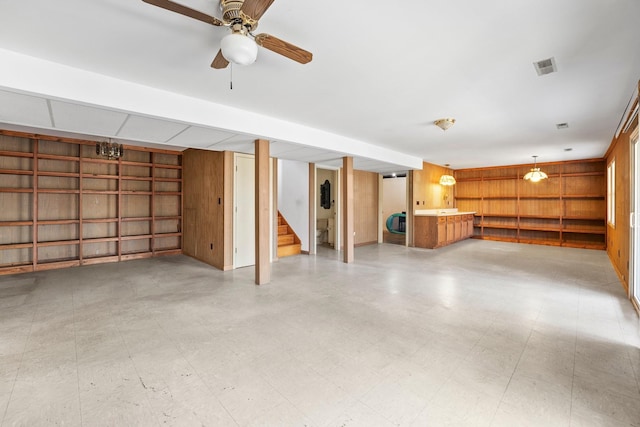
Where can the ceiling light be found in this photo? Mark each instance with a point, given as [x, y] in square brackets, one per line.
[445, 123]
[447, 180]
[535, 174]
[238, 48]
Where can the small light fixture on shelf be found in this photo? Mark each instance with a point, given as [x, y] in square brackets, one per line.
[111, 150]
[535, 174]
[445, 123]
[447, 180]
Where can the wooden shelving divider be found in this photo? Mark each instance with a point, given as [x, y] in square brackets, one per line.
[568, 209]
[64, 206]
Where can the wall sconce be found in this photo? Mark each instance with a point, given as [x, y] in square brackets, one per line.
[111, 150]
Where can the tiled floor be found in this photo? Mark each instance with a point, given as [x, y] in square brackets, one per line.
[479, 333]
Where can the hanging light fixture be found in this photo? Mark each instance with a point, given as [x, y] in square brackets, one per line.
[447, 180]
[111, 150]
[535, 174]
[445, 123]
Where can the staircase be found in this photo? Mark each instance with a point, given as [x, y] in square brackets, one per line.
[288, 241]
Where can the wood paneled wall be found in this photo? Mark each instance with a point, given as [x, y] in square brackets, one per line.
[427, 191]
[618, 237]
[366, 207]
[567, 209]
[208, 207]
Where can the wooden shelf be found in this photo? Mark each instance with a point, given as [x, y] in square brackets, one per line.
[58, 243]
[58, 221]
[57, 191]
[15, 172]
[59, 174]
[15, 223]
[110, 222]
[99, 176]
[142, 218]
[15, 154]
[58, 157]
[108, 192]
[571, 208]
[136, 237]
[163, 166]
[16, 246]
[16, 190]
[99, 220]
[137, 178]
[161, 235]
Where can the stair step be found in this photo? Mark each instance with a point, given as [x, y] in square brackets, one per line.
[288, 250]
[282, 229]
[286, 239]
[279, 220]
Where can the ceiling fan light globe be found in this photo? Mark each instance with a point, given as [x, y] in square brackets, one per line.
[239, 49]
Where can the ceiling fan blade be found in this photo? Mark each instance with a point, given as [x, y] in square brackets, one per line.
[284, 48]
[254, 9]
[219, 62]
[186, 11]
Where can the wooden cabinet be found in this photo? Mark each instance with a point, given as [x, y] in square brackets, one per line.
[64, 205]
[433, 231]
[568, 209]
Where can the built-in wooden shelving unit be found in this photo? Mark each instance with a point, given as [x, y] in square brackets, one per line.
[63, 205]
[568, 209]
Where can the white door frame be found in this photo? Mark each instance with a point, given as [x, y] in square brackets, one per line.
[634, 223]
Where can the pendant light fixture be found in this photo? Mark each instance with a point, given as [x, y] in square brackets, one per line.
[535, 174]
[447, 180]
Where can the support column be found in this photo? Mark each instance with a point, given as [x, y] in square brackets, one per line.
[348, 238]
[312, 208]
[262, 189]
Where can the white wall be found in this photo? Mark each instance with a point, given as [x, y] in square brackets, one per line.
[394, 196]
[293, 197]
[321, 176]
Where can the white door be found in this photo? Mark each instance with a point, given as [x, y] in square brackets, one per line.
[244, 228]
[634, 286]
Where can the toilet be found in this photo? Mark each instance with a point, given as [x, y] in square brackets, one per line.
[321, 230]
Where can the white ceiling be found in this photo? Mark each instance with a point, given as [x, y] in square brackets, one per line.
[381, 74]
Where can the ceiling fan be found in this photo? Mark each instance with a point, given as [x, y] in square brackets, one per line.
[241, 45]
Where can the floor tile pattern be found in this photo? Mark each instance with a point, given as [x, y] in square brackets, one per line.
[475, 334]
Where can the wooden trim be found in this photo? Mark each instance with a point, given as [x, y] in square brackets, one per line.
[34, 252]
[347, 209]
[312, 209]
[262, 190]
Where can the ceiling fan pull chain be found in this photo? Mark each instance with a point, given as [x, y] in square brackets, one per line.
[231, 76]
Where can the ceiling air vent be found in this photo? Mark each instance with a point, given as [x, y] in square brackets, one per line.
[546, 66]
[562, 125]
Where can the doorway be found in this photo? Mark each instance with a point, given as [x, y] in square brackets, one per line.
[394, 209]
[634, 282]
[327, 208]
[244, 230]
